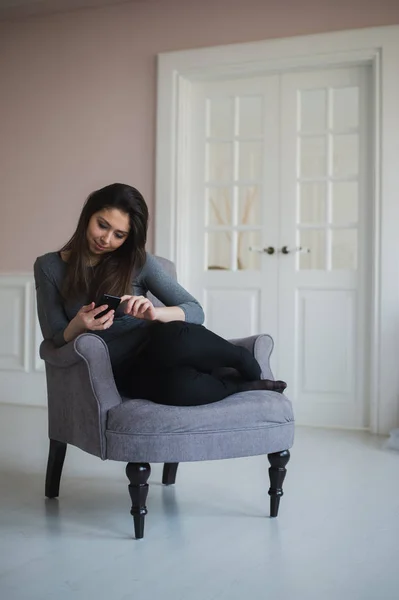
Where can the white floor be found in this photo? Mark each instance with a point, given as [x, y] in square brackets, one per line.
[208, 537]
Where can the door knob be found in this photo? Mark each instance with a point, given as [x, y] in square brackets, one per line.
[288, 250]
[268, 250]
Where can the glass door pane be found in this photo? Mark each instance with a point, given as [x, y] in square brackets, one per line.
[233, 181]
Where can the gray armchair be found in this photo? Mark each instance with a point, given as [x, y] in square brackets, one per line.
[86, 410]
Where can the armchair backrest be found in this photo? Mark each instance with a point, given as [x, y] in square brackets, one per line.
[170, 268]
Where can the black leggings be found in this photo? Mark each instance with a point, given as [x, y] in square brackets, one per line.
[178, 363]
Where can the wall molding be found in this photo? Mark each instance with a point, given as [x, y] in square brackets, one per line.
[22, 379]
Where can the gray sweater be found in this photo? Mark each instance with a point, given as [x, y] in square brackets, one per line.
[127, 334]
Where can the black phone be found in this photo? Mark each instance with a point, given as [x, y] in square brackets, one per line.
[112, 302]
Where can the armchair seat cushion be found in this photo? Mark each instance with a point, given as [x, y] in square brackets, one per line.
[245, 424]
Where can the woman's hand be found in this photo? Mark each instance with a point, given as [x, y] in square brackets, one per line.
[85, 320]
[86, 317]
[140, 307]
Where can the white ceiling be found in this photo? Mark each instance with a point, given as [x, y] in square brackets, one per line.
[20, 9]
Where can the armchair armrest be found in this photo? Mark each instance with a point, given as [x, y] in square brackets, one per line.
[63, 357]
[81, 390]
[260, 346]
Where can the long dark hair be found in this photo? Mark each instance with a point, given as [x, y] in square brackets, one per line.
[113, 274]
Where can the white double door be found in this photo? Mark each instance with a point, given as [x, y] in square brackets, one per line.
[280, 226]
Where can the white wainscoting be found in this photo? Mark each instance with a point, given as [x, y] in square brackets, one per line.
[22, 378]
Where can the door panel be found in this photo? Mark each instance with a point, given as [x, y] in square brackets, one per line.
[323, 277]
[235, 204]
[328, 342]
[245, 303]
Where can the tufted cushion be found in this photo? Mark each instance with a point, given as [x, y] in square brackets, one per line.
[244, 424]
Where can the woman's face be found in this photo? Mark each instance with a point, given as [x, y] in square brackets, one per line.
[107, 230]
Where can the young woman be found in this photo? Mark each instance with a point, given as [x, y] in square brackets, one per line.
[163, 354]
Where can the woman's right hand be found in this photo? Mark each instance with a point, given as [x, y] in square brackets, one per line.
[85, 320]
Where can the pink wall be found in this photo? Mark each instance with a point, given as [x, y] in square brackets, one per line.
[77, 101]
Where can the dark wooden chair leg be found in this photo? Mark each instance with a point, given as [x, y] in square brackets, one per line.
[138, 474]
[55, 463]
[277, 472]
[169, 473]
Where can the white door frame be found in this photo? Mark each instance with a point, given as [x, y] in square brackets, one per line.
[378, 47]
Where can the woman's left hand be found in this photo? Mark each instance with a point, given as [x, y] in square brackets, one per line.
[139, 307]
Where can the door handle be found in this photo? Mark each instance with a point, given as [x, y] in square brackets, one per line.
[290, 250]
[268, 250]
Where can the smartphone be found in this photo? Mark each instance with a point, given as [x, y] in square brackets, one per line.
[112, 302]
